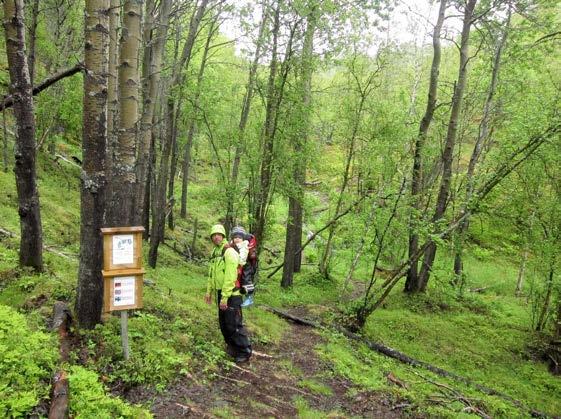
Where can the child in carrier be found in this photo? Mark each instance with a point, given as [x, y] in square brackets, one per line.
[246, 246]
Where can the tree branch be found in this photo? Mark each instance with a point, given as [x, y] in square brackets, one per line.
[9, 100]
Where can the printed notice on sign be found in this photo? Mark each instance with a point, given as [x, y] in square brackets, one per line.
[123, 249]
[124, 291]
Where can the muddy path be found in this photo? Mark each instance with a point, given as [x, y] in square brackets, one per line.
[290, 375]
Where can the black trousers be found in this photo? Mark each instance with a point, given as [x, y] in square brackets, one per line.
[231, 326]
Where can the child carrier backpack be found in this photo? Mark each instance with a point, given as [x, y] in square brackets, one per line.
[246, 273]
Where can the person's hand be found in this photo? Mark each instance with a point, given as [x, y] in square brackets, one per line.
[223, 306]
[208, 299]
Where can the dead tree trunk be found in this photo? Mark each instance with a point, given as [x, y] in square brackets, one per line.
[121, 210]
[293, 242]
[89, 296]
[411, 283]
[31, 243]
[447, 155]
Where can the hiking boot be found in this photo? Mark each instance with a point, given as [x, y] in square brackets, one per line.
[242, 359]
[230, 350]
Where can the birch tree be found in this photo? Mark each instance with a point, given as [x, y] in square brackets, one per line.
[121, 208]
[89, 296]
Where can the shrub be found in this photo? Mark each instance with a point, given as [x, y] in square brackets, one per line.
[27, 360]
[89, 400]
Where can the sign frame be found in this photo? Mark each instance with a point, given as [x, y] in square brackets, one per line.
[109, 234]
[108, 289]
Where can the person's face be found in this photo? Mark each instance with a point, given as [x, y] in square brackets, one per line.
[237, 240]
[217, 238]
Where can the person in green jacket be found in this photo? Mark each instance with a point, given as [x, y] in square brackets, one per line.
[223, 285]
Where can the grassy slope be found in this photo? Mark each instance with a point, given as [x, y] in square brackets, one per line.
[483, 337]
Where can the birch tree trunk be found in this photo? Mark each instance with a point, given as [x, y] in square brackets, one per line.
[172, 112]
[31, 242]
[186, 163]
[411, 283]
[121, 204]
[246, 107]
[447, 155]
[268, 136]
[179, 79]
[153, 58]
[482, 138]
[89, 297]
[112, 81]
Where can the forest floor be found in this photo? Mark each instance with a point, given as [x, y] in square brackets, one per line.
[178, 367]
[287, 380]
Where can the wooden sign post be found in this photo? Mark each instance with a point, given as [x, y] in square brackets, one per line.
[122, 274]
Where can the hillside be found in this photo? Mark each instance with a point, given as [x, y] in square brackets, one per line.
[178, 367]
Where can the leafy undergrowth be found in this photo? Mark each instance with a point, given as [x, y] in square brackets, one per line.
[483, 336]
[89, 399]
[27, 359]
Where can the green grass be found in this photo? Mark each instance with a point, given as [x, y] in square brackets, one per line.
[306, 412]
[316, 387]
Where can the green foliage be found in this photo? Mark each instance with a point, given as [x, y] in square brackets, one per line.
[152, 361]
[27, 361]
[88, 398]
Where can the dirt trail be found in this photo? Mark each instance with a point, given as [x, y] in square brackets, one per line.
[269, 387]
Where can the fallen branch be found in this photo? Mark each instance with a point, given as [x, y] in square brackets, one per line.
[6, 233]
[261, 355]
[290, 317]
[59, 400]
[244, 370]
[56, 252]
[400, 356]
[478, 289]
[11, 234]
[223, 377]
[64, 159]
[9, 100]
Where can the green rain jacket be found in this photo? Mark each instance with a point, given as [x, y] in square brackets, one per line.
[223, 272]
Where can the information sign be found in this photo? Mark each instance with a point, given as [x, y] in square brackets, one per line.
[123, 249]
[123, 291]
